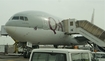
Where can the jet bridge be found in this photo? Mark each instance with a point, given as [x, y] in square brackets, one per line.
[85, 28]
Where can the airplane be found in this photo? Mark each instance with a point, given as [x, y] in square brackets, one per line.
[40, 28]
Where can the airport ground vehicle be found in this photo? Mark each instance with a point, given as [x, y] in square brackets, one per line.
[61, 55]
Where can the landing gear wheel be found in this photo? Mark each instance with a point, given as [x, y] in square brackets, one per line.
[55, 46]
[35, 46]
[26, 54]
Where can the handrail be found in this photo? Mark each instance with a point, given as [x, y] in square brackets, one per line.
[91, 28]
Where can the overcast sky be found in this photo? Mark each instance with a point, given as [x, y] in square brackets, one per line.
[78, 9]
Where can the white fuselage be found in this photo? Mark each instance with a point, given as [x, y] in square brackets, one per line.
[38, 28]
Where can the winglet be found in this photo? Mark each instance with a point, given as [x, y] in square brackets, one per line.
[92, 18]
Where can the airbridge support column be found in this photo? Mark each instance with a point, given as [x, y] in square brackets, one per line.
[69, 26]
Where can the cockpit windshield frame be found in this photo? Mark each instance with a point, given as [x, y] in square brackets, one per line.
[24, 18]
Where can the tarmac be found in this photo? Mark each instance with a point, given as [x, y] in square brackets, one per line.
[12, 58]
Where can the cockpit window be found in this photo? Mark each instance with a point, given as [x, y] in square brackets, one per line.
[26, 19]
[15, 18]
[20, 18]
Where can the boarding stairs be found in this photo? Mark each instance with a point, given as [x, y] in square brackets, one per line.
[85, 28]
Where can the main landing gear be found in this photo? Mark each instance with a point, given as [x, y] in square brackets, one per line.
[27, 52]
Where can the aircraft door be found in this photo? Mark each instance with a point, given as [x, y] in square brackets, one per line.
[45, 24]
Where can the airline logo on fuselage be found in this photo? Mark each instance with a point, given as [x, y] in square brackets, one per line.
[54, 27]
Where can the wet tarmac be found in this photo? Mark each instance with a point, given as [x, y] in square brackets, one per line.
[12, 58]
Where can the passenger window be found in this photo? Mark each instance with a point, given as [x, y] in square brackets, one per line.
[26, 19]
[15, 18]
[21, 18]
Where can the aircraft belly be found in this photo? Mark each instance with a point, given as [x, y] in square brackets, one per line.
[38, 36]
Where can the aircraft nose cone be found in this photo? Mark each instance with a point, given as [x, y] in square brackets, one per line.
[10, 30]
[17, 33]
